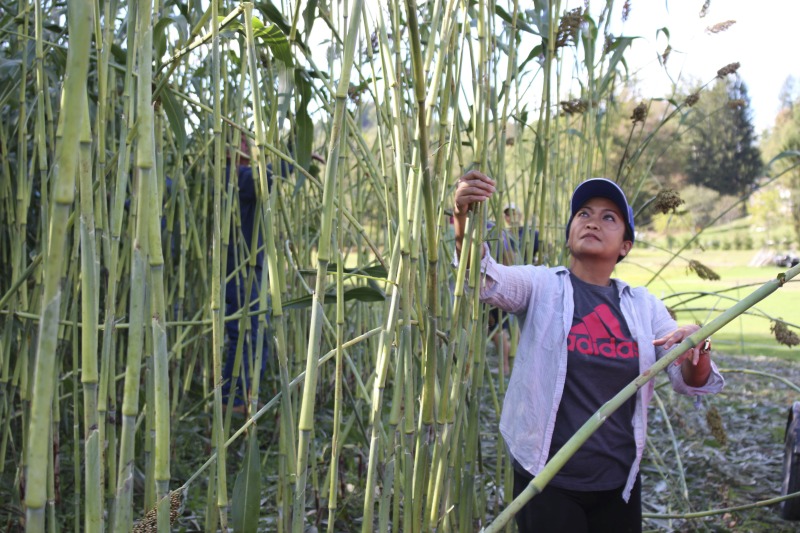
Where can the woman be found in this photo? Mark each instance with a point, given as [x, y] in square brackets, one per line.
[583, 337]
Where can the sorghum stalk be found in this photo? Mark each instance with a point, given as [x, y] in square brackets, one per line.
[273, 269]
[63, 194]
[90, 290]
[337, 394]
[107, 401]
[306, 421]
[147, 156]
[217, 274]
[123, 515]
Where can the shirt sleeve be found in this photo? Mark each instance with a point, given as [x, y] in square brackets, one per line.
[663, 324]
[509, 288]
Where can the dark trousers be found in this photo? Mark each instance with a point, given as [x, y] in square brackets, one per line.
[234, 301]
[568, 511]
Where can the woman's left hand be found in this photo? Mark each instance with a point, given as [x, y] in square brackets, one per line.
[676, 337]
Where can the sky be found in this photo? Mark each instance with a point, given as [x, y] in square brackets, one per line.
[764, 40]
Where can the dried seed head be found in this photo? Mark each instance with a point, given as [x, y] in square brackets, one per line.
[720, 26]
[665, 55]
[639, 113]
[704, 9]
[568, 27]
[510, 141]
[783, 334]
[354, 93]
[702, 271]
[692, 99]
[626, 10]
[728, 69]
[608, 42]
[736, 104]
[571, 107]
[714, 421]
[667, 200]
[149, 524]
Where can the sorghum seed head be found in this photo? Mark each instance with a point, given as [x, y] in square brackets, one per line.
[665, 55]
[667, 200]
[714, 421]
[720, 26]
[702, 271]
[692, 99]
[639, 113]
[149, 523]
[573, 106]
[626, 10]
[704, 9]
[731, 68]
[568, 27]
[783, 334]
[608, 42]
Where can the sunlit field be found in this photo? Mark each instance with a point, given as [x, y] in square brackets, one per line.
[683, 290]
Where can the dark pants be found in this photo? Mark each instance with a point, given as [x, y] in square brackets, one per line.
[568, 511]
[234, 301]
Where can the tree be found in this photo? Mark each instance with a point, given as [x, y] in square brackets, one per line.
[722, 154]
[786, 95]
[785, 136]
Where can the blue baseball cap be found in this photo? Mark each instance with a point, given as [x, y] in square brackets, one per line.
[602, 188]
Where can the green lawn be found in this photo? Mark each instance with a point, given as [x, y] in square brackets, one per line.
[681, 290]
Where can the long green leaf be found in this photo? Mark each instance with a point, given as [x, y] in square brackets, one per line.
[247, 490]
[175, 115]
[277, 42]
[362, 294]
[274, 15]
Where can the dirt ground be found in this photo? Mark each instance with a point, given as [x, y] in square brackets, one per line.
[733, 459]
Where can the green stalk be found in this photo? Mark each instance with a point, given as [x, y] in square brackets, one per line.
[63, 194]
[273, 268]
[306, 421]
[90, 266]
[337, 399]
[146, 159]
[123, 514]
[217, 274]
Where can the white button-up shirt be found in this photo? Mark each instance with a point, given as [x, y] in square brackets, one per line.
[542, 299]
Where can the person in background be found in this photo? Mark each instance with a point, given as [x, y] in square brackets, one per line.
[583, 337]
[236, 286]
[516, 229]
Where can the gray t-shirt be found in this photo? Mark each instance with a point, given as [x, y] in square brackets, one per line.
[602, 358]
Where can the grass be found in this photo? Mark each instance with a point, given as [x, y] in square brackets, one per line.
[679, 288]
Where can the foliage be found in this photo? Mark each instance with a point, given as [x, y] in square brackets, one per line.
[723, 154]
[785, 137]
[377, 370]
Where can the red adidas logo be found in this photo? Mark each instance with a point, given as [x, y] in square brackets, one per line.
[600, 333]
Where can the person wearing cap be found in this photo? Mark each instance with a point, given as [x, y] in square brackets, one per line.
[583, 337]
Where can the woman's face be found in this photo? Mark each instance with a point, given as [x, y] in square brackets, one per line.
[598, 231]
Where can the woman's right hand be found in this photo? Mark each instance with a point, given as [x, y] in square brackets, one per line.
[473, 187]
